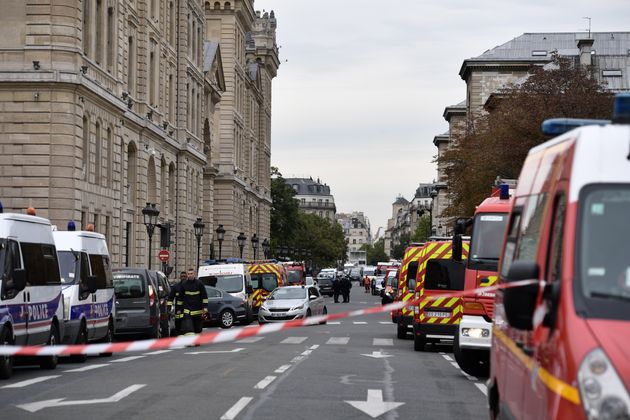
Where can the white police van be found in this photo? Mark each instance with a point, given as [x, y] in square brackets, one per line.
[30, 287]
[88, 289]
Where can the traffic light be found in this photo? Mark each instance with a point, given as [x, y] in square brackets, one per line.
[166, 230]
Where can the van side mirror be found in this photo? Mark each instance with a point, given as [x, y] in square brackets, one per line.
[19, 279]
[520, 302]
[312, 297]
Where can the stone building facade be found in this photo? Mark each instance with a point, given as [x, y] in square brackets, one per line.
[106, 105]
[314, 197]
[356, 230]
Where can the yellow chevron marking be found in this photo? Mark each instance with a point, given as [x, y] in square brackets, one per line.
[451, 302]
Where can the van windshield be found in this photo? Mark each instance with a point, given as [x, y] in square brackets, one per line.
[295, 276]
[68, 266]
[604, 265]
[487, 237]
[128, 286]
[227, 283]
[266, 281]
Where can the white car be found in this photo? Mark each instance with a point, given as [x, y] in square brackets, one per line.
[291, 302]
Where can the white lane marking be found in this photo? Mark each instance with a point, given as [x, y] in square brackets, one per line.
[359, 323]
[455, 365]
[482, 388]
[30, 382]
[61, 402]
[236, 408]
[293, 340]
[216, 351]
[447, 357]
[383, 342]
[127, 359]
[364, 303]
[282, 369]
[250, 340]
[374, 405]
[314, 347]
[338, 340]
[263, 384]
[306, 352]
[334, 323]
[154, 353]
[385, 322]
[377, 355]
[86, 368]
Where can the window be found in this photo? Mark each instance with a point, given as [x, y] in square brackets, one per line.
[102, 270]
[131, 66]
[110, 39]
[173, 23]
[99, 32]
[539, 53]
[98, 164]
[87, 30]
[212, 292]
[530, 227]
[612, 73]
[128, 286]
[41, 264]
[10, 259]
[412, 271]
[109, 162]
[555, 252]
[86, 146]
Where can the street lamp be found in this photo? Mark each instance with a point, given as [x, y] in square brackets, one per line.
[220, 236]
[255, 245]
[198, 225]
[266, 246]
[240, 239]
[150, 214]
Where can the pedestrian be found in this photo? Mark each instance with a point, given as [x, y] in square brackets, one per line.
[366, 284]
[194, 300]
[346, 285]
[174, 302]
[336, 284]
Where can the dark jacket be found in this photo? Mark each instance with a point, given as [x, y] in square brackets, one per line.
[193, 296]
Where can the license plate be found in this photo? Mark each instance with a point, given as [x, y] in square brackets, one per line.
[437, 314]
[278, 314]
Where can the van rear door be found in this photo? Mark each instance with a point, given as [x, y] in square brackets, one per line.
[132, 302]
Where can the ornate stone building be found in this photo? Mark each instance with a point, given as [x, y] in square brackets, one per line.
[106, 105]
[314, 197]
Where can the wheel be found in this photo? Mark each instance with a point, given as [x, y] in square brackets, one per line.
[324, 312]
[6, 362]
[226, 317]
[401, 330]
[82, 339]
[419, 341]
[473, 362]
[109, 337]
[50, 362]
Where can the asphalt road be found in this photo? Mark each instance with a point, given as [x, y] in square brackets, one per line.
[352, 369]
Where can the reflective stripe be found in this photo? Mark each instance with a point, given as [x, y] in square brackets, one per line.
[192, 293]
[554, 384]
[205, 301]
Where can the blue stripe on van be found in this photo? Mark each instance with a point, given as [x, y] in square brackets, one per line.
[92, 310]
[17, 313]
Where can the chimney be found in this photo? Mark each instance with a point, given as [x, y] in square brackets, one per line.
[585, 46]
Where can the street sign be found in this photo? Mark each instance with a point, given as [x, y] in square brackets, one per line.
[164, 255]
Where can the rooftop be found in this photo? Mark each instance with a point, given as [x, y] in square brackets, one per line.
[307, 186]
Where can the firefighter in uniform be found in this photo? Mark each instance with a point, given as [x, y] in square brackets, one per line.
[194, 300]
[174, 300]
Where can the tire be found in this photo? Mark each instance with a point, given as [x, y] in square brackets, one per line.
[109, 337]
[82, 339]
[6, 362]
[226, 318]
[473, 362]
[419, 341]
[401, 330]
[324, 312]
[50, 362]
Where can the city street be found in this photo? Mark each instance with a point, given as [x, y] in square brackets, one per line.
[354, 368]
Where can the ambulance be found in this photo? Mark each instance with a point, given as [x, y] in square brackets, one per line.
[88, 289]
[232, 277]
[561, 343]
[31, 307]
[265, 277]
[471, 347]
[296, 273]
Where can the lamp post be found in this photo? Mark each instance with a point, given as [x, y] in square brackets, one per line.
[255, 245]
[150, 214]
[266, 246]
[240, 239]
[220, 236]
[198, 226]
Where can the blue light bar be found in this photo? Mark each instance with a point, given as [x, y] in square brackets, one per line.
[557, 126]
[621, 109]
[1, 208]
[71, 226]
[504, 191]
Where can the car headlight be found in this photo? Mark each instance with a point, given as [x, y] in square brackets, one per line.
[66, 307]
[603, 394]
[298, 308]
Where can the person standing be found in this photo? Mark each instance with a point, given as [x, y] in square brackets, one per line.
[174, 302]
[345, 289]
[336, 284]
[366, 284]
[194, 300]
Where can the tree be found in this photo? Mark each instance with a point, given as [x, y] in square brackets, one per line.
[284, 210]
[398, 250]
[375, 252]
[323, 238]
[423, 229]
[497, 142]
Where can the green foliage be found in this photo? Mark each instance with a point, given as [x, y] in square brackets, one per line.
[398, 250]
[375, 252]
[423, 229]
[284, 211]
[497, 142]
[322, 237]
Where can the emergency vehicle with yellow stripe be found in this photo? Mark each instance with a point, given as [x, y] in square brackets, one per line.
[471, 346]
[440, 271]
[296, 273]
[561, 344]
[403, 318]
[266, 276]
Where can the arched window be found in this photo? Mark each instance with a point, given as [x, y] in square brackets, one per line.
[98, 160]
[86, 146]
[109, 161]
[110, 38]
[87, 30]
[99, 32]
[132, 173]
[151, 182]
[163, 184]
[171, 189]
[131, 67]
[173, 23]
[227, 5]
[217, 5]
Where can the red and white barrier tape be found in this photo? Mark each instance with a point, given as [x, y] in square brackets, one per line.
[231, 334]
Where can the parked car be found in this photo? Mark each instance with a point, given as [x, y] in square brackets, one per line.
[325, 284]
[167, 320]
[137, 302]
[292, 302]
[378, 285]
[224, 309]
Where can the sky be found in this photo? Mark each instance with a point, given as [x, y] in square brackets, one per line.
[363, 84]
